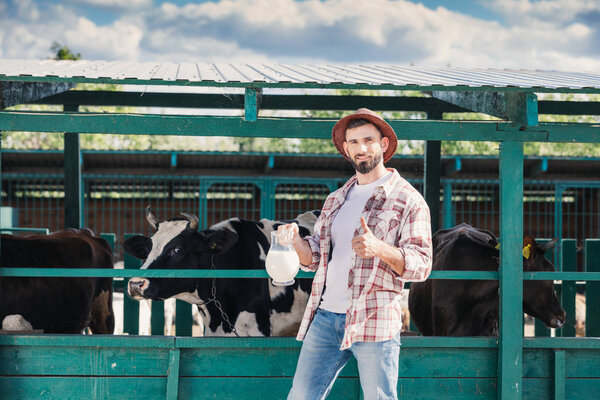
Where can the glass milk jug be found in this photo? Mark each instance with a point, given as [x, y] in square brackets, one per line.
[282, 262]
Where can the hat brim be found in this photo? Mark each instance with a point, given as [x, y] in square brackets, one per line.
[338, 134]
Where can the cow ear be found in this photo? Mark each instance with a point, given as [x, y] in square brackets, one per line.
[549, 245]
[138, 246]
[219, 241]
[527, 240]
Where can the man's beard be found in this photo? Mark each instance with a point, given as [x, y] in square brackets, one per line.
[364, 167]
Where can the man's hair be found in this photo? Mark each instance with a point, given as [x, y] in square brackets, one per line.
[355, 123]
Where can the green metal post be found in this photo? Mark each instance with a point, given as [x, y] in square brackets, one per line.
[131, 308]
[558, 194]
[431, 184]
[173, 374]
[567, 293]
[72, 167]
[592, 289]
[559, 375]
[157, 318]
[448, 210]
[510, 349]
[252, 100]
[540, 328]
[183, 318]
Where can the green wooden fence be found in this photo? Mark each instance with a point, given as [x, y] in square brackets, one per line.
[508, 368]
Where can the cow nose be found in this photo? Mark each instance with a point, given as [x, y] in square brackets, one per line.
[137, 286]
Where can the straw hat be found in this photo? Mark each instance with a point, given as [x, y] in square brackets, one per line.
[338, 134]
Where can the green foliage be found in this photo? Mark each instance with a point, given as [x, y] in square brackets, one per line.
[63, 52]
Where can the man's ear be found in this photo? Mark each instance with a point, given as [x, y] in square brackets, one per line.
[385, 143]
[217, 242]
[138, 246]
[345, 145]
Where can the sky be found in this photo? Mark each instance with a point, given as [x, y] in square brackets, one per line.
[523, 34]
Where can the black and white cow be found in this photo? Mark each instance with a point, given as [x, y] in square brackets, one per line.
[253, 306]
[58, 305]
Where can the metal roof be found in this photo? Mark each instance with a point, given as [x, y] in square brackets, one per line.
[197, 163]
[286, 75]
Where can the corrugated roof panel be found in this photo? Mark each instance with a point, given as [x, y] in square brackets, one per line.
[166, 72]
[208, 72]
[273, 74]
[281, 73]
[147, 70]
[188, 72]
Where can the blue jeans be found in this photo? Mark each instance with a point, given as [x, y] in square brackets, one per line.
[321, 360]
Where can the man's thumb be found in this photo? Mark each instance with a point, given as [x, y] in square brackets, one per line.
[364, 224]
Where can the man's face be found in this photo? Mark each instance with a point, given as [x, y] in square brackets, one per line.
[365, 146]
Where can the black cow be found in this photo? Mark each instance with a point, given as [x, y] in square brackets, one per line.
[470, 307]
[254, 307]
[58, 305]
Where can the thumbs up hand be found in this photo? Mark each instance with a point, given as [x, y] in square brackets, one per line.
[366, 245]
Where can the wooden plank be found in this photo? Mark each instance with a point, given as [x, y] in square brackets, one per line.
[592, 289]
[344, 388]
[72, 170]
[568, 290]
[537, 363]
[88, 341]
[33, 387]
[193, 125]
[73, 361]
[559, 375]
[582, 363]
[431, 183]
[579, 389]
[183, 320]
[173, 375]
[510, 356]
[131, 307]
[157, 317]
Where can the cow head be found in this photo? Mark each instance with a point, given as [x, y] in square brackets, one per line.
[176, 244]
[539, 298]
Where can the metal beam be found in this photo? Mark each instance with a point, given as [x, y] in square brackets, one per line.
[510, 352]
[491, 103]
[252, 100]
[294, 85]
[428, 105]
[432, 175]
[236, 101]
[13, 93]
[152, 124]
[431, 183]
[72, 168]
[520, 108]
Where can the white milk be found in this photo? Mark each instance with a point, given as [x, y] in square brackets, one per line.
[282, 266]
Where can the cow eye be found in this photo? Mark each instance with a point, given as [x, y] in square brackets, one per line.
[176, 250]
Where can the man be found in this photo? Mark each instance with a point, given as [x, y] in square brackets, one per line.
[373, 235]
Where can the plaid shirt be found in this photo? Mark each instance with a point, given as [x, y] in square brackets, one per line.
[397, 214]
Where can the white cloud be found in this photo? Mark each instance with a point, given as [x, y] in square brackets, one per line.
[549, 12]
[115, 4]
[27, 10]
[557, 35]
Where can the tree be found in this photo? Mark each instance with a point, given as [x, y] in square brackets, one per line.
[63, 52]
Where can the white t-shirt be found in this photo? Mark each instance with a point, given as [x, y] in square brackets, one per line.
[336, 296]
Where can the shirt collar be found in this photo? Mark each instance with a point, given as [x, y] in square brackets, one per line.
[386, 186]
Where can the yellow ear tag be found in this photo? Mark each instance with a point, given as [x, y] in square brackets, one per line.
[498, 246]
[527, 251]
